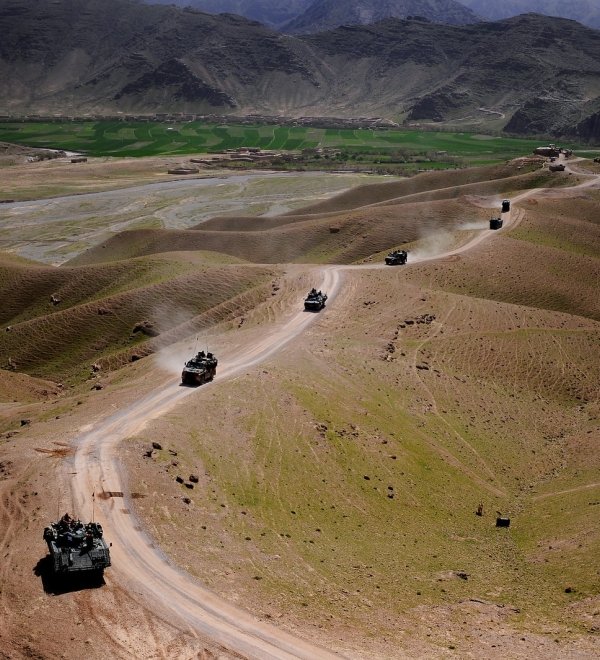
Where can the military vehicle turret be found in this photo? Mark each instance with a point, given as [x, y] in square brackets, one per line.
[76, 547]
[315, 301]
[505, 205]
[396, 257]
[496, 223]
[200, 369]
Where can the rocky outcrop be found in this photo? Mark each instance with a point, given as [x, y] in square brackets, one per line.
[562, 118]
[439, 106]
[588, 130]
[175, 78]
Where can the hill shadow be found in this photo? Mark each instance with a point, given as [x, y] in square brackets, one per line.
[63, 584]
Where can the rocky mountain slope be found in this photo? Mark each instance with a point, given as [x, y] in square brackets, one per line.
[330, 14]
[269, 12]
[73, 56]
[304, 16]
[584, 11]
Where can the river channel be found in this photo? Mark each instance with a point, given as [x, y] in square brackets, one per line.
[56, 230]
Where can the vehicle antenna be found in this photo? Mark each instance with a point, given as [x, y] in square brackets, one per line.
[93, 504]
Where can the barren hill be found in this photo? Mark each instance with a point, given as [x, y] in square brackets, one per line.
[269, 12]
[68, 57]
[584, 11]
[108, 314]
[338, 483]
[344, 229]
[329, 14]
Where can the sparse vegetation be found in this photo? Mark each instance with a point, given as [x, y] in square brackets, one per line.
[350, 484]
[100, 307]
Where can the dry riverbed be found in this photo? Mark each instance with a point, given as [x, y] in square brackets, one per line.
[57, 220]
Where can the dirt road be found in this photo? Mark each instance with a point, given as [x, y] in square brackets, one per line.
[137, 561]
[135, 557]
[97, 468]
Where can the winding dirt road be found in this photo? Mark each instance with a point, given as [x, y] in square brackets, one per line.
[98, 469]
[135, 557]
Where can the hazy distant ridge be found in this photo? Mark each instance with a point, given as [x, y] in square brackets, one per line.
[584, 11]
[269, 12]
[330, 14]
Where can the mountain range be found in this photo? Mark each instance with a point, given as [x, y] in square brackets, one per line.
[584, 11]
[270, 12]
[530, 73]
[329, 14]
[315, 15]
[305, 16]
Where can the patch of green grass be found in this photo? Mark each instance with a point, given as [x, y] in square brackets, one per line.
[539, 237]
[309, 482]
[564, 551]
[106, 138]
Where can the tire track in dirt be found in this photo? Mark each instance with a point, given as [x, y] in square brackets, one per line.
[136, 558]
[447, 455]
[13, 517]
[577, 489]
[9, 518]
[97, 466]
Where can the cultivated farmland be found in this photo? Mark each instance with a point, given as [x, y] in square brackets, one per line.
[121, 138]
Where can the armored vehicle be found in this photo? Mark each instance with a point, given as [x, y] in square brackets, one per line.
[76, 547]
[505, 205]
[396, 257]
[200, 369]
[548, 152]
[557, 167]
[496, 223]
[315, 301]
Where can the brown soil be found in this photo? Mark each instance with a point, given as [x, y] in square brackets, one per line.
[52, 178]
[340, 457]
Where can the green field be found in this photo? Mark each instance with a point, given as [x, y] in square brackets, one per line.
[121, 138]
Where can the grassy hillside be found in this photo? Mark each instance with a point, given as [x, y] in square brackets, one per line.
[344, 481]
[338, 482]
[109, 313]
